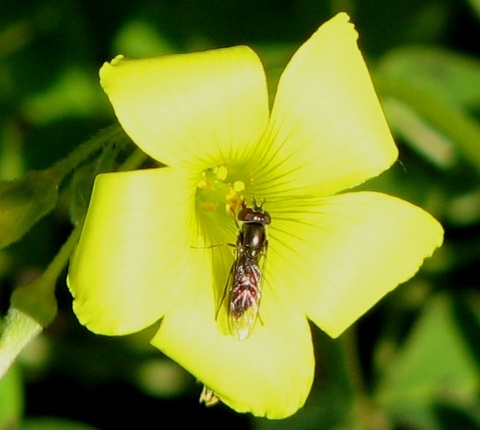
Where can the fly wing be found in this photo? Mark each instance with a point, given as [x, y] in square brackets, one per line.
[244, 294]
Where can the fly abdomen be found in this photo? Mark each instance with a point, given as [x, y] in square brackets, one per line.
[244, 285]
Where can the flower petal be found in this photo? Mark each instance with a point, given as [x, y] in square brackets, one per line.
[345, 253]
[268, 374]
[130, 258]
[192, 110]
[327, 132]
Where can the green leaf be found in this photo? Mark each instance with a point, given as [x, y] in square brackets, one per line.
[419, 133]
[444, 117]
[427, 94]
[435, 363]
[447, 74]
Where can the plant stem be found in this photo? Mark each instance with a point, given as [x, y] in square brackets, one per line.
[38, 298]
[59, 262]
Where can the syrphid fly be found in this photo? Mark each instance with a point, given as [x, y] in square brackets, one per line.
[244, 285]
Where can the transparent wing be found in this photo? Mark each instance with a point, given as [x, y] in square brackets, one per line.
[244, 295]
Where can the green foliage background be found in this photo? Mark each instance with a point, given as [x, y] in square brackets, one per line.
[413, 362]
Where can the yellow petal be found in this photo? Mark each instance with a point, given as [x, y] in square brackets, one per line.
[130, 260]
[327, 132]
[192, 110]
[346, 252]
[268, 374]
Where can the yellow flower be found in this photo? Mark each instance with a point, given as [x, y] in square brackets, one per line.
[153, 243]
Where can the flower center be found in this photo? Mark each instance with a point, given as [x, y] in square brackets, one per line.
[215, 192]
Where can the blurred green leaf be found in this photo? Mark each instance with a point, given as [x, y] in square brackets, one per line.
[475, 6]
[76, 93]
[324, 410]
[464, 209]
[12, 163]
[53, 424]
[427, 93]
[11, 399]
[445, 73]
[467, 314]
[422, 136]
[444, 116]
[454, 417]
[140, 39]
[434, 363]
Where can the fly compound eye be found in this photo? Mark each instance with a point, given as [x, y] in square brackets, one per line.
[246, 215]
[254, 215]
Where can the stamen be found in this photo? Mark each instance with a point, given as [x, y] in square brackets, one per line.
[239, 186]
[204, 184]
[221, 172]
[213, 191]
